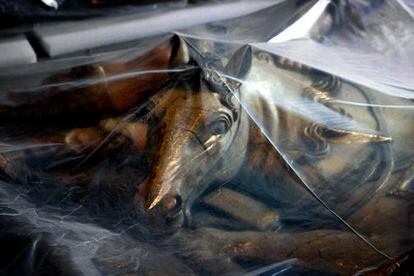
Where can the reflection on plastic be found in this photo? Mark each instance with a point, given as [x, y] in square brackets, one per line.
[191, 156]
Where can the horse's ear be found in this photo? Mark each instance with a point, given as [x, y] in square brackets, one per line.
[180, 58]
[240, 63]
[180, 55]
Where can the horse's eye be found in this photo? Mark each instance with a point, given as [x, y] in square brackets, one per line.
[220, 127]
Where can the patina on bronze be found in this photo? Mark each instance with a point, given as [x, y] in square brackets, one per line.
[198, 134]
[197, 138]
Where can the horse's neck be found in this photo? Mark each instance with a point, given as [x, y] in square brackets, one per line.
[263, 119]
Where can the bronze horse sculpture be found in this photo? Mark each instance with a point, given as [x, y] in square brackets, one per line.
[208, 128]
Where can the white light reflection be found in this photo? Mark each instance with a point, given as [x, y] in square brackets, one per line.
[276, 94]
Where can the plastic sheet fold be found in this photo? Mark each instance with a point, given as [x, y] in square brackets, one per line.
[232, 147]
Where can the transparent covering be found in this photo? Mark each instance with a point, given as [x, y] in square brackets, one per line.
[24, 13]
[275, 143]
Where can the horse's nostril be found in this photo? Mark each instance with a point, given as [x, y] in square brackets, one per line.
[178, 201]
[172, 205]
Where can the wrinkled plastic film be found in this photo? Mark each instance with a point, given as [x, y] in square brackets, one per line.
[23, 14]
[214, 150]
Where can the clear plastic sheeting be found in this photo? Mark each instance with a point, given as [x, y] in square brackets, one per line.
[275, 143]
[22, 14]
